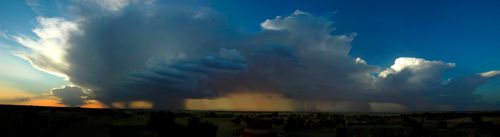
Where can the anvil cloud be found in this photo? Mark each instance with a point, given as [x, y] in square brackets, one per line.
[126, 51]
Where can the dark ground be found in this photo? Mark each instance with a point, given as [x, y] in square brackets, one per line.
[30, 121]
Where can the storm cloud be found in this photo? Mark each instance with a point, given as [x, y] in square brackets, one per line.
[141, 50]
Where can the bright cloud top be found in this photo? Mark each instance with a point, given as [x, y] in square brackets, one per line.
[48, 52]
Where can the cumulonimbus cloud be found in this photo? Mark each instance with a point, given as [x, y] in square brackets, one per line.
[165, 54]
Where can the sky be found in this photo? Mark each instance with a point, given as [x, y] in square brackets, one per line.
[337, 55]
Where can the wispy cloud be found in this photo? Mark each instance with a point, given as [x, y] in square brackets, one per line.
[35, 6]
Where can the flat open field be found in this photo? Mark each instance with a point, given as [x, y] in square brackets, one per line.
[28, 121]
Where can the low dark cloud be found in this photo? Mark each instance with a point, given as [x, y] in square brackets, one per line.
[19, 99]
[168, 53]
[72, 96]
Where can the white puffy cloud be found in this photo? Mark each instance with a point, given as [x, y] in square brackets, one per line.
[360, 61]
[490, 74]
[419, 84]
[313, 32]
[412, 75]
[416, 65]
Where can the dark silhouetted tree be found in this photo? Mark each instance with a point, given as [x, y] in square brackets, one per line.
[476, 119]
[164, 124]
[197, 128]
